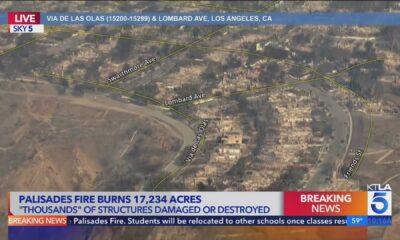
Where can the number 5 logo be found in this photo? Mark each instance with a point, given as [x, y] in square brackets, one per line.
[379, 203]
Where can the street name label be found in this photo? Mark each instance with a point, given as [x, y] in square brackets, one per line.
[130, 70]
[190, 98]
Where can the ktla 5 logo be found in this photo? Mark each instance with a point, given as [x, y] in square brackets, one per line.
[379, 200]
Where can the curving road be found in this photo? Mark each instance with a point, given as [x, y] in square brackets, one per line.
[341, 131]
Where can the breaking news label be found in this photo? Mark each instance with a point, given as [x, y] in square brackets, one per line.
[368, 208]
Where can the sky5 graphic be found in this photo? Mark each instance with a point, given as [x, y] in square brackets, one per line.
[38, 28]
[379, 200]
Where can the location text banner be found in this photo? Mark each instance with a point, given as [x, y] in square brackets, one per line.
[212, 18]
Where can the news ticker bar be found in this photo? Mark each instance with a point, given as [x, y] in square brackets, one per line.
[373, 207]
[200, 18]
[198, 221]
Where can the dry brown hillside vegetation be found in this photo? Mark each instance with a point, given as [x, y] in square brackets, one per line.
[51, 142]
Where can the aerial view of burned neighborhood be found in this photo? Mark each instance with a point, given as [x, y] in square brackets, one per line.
[200, 108]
